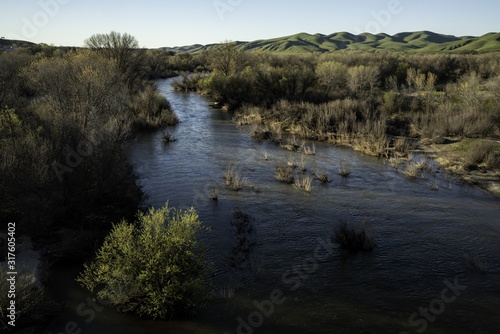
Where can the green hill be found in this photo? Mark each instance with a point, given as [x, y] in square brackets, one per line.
[410, 42]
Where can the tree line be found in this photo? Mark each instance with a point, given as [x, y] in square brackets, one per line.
[65, 118]
[358, 95]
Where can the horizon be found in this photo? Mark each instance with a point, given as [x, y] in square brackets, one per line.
[171, 24]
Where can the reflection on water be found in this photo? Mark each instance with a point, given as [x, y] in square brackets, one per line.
[420, 234]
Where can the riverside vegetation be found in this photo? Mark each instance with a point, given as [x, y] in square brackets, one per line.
[66, 115]
[390, 105]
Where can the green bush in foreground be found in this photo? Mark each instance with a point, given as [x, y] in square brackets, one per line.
[154, 268]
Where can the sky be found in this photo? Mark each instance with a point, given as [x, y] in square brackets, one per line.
[160, 23]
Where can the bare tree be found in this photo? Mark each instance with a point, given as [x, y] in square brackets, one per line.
[363, 78]
[332, 75]
[124, 49]
[226, 59]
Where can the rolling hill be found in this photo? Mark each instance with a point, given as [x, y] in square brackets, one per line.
[410, 42]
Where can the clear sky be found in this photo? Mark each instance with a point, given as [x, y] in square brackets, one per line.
[158, 23]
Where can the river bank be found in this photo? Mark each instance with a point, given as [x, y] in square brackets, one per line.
[454, 155]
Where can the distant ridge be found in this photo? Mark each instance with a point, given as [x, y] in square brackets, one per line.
[410, 42]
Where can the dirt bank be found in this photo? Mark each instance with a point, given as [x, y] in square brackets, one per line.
[452, 156]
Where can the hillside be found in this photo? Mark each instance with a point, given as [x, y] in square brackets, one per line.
[411, 42]
[9, 43]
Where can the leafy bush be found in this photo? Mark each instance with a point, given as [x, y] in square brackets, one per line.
[154, 268]
[152, 110]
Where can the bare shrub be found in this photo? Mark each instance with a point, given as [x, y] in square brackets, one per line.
[351, 239]
[480, 152]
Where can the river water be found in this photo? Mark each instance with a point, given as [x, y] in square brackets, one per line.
[417, 269]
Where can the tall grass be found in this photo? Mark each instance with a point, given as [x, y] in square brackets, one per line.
[411, 170]
[482, 153]
[345, 169]
[284, 172]
[232, 178]
[303, 182]
[308, 149]
[321, 175]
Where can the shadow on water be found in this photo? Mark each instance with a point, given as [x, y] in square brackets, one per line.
[420, 237]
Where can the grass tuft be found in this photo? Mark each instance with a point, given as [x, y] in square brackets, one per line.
[167, 138]
[284, 172]
[353, 240]
[308, 150]
[232, 178]
[303, 183]
[345, 169]
[322, 176]
[411, 170]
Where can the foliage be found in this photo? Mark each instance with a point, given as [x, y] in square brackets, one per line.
[151, 109]
[65, 118]
[154, 268]
[32, 301]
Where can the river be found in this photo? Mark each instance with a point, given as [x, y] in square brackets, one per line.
[417, 269]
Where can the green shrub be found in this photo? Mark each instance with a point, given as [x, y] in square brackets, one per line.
[152, 110]
[154, 268]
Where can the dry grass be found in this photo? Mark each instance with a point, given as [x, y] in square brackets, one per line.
[308, 150]
[395, 162]
[214, 194]
[481, 153]
[434, 185]
[422, 164]
[351, 239]
[232, 178]
[290, 144]
[266, 155]
[303, 166]
[291, 162]
[411, 170]
[321, 175]
[304, 183]
[402, 145]
[284, 172]
[345, 169]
